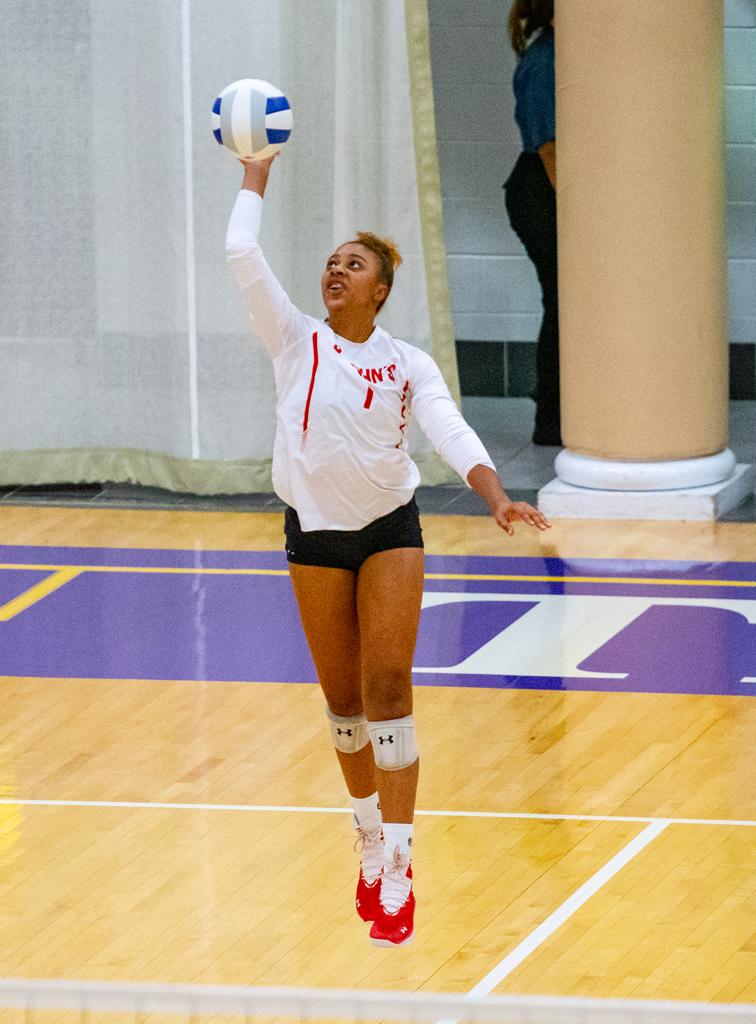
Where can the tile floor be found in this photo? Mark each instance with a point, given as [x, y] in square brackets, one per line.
[504, 424]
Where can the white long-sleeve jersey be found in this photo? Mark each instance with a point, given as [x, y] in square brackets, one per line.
[340, 456]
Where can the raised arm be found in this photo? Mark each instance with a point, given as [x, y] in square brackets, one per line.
[275, 319]
[458, 444]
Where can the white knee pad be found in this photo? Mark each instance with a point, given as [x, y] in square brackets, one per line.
[349, 734]
[394, 743]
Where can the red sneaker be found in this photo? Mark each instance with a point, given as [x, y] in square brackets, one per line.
[395, 927]
[368, 897]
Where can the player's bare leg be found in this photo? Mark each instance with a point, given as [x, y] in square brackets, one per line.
[389, 596]
[328, 597]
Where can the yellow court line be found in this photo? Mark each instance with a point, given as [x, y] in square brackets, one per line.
[37, 592]
[176, 570]
[481, 577]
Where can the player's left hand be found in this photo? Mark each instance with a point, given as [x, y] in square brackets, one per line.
[509, 512]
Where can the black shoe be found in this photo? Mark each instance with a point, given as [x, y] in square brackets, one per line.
[548, 438]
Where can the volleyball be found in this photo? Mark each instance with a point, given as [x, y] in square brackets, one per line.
[251, 118]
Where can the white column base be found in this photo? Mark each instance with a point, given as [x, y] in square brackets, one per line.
[559, 499]
[609, 475]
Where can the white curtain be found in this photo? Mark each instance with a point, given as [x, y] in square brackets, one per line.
[125, 351]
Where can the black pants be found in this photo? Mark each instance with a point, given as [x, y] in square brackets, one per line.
[348, 549]
[531, 205]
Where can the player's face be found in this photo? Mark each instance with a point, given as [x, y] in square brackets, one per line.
[351, 279]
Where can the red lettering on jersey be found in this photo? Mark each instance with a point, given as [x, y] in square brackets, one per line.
[374, 374]
[337, 349]
[369, 398]
[403, 424]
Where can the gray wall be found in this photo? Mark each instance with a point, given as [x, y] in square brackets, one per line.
[495, 294]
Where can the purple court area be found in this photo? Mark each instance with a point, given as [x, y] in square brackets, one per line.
[618, 630]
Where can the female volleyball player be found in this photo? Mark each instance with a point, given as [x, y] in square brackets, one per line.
[345, 393]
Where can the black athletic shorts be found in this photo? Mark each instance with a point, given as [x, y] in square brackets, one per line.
[348, 549]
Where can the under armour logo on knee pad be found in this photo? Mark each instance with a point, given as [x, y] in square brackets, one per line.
[348, 732]
[394, 743]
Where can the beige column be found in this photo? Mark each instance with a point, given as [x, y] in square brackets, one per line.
[642, 294]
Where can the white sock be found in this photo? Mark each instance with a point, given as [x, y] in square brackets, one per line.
[367, 817]
[367, 812]
[397, 835]
[395, 886]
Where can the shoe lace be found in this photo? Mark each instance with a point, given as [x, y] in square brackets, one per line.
[369, 845]
[367, 838]
[397, 872]
[396, 885]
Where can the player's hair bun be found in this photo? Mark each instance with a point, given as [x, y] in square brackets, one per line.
[383, 247]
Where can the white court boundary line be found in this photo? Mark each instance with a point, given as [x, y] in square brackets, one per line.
[149, 805]
[565, 910]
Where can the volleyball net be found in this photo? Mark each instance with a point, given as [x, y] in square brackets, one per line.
[41, 1001]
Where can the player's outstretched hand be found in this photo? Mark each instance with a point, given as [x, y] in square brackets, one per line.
[509, 512]
[256, 174]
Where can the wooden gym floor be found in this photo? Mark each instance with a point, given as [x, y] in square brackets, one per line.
[171, 809]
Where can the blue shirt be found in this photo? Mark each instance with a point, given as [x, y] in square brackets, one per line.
[535, 104]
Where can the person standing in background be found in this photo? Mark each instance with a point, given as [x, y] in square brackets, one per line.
[531, 191]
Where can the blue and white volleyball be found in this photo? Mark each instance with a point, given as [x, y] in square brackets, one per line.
[251, 118]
